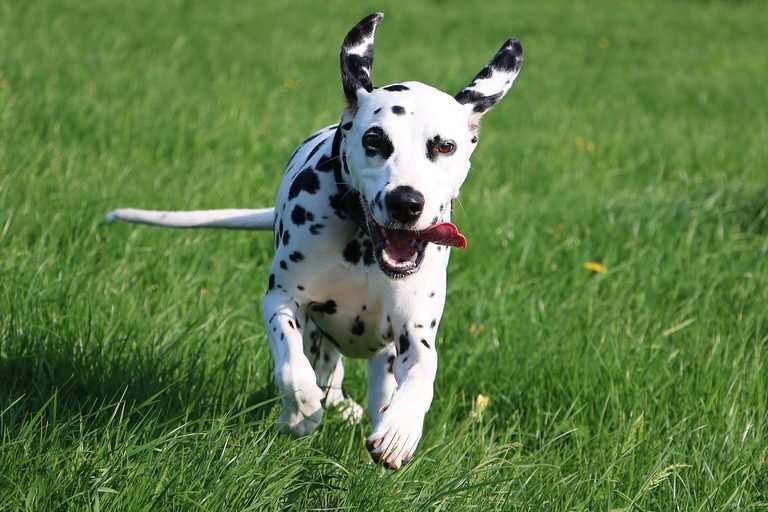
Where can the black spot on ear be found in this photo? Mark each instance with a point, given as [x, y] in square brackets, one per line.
[396, 88]
[352, 252]
[271, 281]
[299, 215]
[403, 344]
[398, 110]
[327, 308]
[425, 343]
[305, 181]
[296, 256]
[481, 102]
[358, 327]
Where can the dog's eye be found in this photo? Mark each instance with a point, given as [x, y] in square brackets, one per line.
[372, 140]
[446, 147]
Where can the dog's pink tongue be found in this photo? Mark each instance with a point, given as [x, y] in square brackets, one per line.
[444, 233]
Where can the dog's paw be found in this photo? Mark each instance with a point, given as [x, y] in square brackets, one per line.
[350, 410]
[301, 412]
[396, 436]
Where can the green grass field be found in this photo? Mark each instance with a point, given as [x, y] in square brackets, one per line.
[134, 370]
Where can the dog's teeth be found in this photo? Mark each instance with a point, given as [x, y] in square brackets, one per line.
[414, 257]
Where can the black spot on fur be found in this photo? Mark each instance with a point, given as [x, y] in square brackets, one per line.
[347, 126]
[312, 153]
[384, 147]
[283, 265]
[433, 323]
[474, 140]
[305, 181]
[296, 256]
[299, 215]
[304, 143]
[315, 228]
[352, 252]
[403, 344]
[300, 288]
[368, 258]
[425, 343]
[391, 364]
[344, 164]
[327, 308]
[398, 110]
[286, 237]
[396, 88]
[431, 294]
[358, 327]
[290, 324]
[271, 281]
[377, 111]
[327, 163]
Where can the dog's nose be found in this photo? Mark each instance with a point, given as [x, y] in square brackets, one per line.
[405, 204]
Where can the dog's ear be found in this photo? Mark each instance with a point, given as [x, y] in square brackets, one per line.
[493, 82]
[357, 58]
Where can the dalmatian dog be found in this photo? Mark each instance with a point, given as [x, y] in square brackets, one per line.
[362, 236]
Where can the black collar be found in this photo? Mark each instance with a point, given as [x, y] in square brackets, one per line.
[346, 201]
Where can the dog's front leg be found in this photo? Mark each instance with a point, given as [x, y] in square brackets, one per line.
[397, 430]
[301, 410]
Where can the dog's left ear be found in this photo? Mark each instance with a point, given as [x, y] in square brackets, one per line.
[357, 58]
[493, 82]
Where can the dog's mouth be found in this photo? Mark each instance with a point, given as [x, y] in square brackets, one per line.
[400, 252]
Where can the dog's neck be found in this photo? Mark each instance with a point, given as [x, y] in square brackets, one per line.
[346, 201]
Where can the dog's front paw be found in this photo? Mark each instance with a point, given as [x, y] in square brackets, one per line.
[396, 436]
[301, 412]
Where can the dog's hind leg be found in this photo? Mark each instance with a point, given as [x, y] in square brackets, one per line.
[329, 369]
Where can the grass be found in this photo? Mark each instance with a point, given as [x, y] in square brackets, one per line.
[134, 369]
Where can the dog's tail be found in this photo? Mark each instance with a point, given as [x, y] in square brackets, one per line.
[258, 219]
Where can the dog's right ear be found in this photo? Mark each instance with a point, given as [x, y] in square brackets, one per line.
[357, 58]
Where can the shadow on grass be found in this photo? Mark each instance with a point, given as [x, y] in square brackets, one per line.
[41, 370]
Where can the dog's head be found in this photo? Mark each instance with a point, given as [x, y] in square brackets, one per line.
[407, 148]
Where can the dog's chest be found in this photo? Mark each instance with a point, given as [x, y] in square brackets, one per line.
[355, 320]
